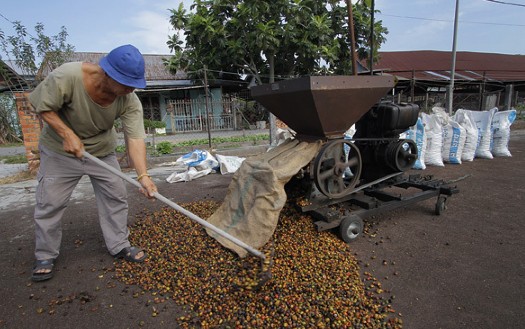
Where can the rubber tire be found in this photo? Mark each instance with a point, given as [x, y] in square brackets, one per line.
[440, 205]
[351, 228]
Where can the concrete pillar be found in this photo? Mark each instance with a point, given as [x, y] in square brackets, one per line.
[509, 91]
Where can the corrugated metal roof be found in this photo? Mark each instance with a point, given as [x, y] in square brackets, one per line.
[10, 79]
[154, 65]
[436, 65]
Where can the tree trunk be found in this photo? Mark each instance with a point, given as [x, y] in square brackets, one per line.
[271, 118]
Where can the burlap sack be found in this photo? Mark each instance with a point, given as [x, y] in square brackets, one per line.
[256, 195]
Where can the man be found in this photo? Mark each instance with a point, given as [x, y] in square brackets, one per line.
[79, 103]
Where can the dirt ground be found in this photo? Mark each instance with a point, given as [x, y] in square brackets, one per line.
[463, 269]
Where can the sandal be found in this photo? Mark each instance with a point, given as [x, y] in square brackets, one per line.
[130, 254]
[44, 264]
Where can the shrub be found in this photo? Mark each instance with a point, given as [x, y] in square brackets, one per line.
[165, 147]
[151, 124]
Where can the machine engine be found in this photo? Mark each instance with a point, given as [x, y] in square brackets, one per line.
[377, 138]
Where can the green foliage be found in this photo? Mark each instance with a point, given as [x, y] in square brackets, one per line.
[288, 37]
[520, 111]
[30, 52]
[149, 124]
[117, 124]
[120, 148]
[520, 107]
[164, 147]
[10, 130]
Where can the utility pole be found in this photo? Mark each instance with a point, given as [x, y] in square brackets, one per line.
[453, 69]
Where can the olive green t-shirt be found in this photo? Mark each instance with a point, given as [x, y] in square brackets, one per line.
[63, 91]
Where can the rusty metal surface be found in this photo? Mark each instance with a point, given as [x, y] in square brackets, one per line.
[322, 106]
[432, 65]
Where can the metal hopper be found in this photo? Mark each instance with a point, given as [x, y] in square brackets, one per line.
[322, 106]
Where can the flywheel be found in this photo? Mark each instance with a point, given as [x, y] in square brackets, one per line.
[337, 168]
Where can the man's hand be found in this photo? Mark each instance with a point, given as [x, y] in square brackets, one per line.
[70, 141]
[148, 186]
[73, 145]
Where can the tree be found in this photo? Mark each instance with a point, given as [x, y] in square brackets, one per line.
[9, 127]
[266, 38]
[29, 53]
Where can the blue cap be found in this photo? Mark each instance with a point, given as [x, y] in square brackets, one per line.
[125, 65]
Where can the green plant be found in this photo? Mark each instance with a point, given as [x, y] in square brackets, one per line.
[120, 148]
[117, 124]
[148, 124]
[10, 130]
[165, 147]
[520, 111]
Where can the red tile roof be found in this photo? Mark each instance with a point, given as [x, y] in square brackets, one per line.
[436, 65]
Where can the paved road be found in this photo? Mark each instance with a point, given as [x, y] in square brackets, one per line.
[19, 195]
[7, 151]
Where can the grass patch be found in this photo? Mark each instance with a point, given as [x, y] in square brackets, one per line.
[11, 144]
[221, 140]
[13, 159]
[167, 147]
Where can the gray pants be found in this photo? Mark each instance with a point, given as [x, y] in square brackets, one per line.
[57, 177]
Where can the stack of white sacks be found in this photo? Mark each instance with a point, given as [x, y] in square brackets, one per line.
[462, 137]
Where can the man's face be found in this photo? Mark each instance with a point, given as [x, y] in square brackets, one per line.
[118, 88]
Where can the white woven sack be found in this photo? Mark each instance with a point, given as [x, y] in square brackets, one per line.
[501, 123]
[433, 131]
[453, 141]
[418, 135]
[471, 134]
[483, 121]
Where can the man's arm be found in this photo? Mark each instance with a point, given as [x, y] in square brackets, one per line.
[70, 141]
[137, 153]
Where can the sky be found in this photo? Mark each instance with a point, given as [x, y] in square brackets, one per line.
[99, 26]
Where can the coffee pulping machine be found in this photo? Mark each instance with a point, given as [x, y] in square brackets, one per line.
[349, 177]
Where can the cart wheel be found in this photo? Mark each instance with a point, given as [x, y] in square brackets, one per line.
[441, 205]
[350, 228]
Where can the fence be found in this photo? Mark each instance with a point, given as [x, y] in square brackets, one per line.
[219, 123]
[197, 115]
